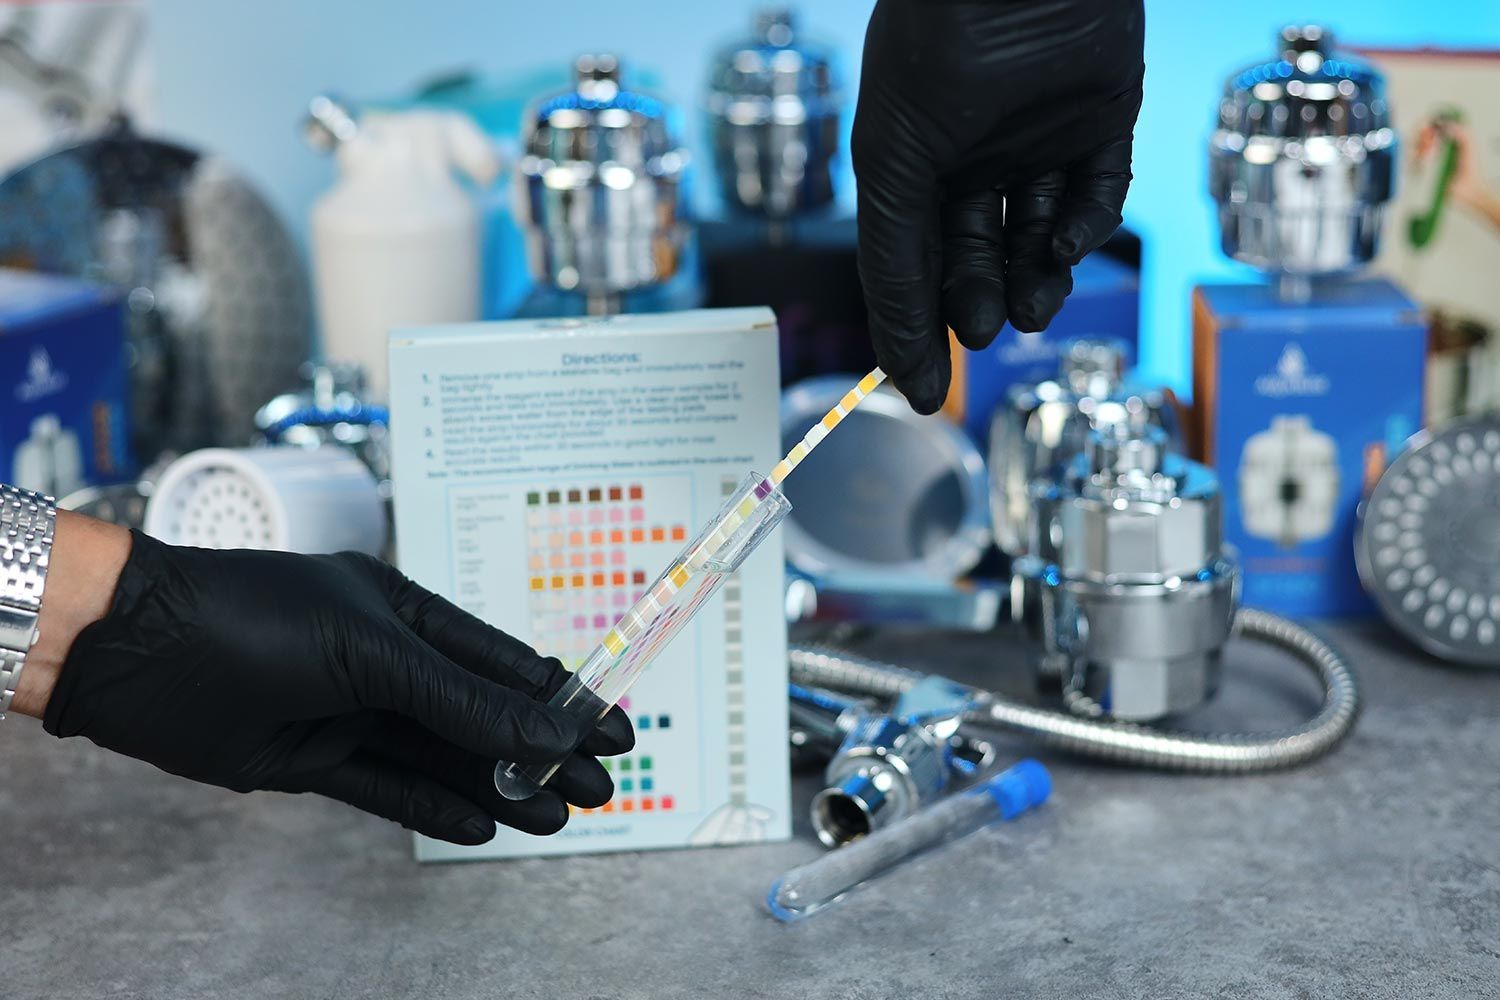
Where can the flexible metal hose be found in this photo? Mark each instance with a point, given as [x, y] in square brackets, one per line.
[1129, 743]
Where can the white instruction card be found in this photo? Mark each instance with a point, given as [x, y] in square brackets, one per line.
[546, 472]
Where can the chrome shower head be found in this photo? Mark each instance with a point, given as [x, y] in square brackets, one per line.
[1428, 547]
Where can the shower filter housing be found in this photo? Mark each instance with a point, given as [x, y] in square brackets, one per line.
[1289, 482]
[1128, 586]
[1042, 428]
[773, 105]
[1303, 160]
[50, 460]
[598, 186]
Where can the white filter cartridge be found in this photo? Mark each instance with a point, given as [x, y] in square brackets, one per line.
[283, 498]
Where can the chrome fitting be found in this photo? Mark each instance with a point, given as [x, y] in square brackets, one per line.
[889, 765]
[1129, 587]
[1043, 428]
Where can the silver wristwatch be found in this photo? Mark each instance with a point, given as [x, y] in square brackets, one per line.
[27, 521]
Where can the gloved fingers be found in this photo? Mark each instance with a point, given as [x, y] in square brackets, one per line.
[395, 793]
[613, 736]
[542, 815]
[898, 265]
[470, 642]
[1094, 200]
[581, 779]
[974, 267]
[494, 655]
[403, 674]
[1036, 281]
[902, 298]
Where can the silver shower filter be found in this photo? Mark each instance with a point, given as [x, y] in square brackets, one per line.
[1303, 159]
[1041, 429]
[598, 191]
[1129, 585]
[773, 105]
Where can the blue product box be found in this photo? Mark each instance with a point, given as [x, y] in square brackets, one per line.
[1106, 304]
[63, 404]
[1299, 406]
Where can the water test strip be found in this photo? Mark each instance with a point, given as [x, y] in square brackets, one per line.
[639, 617]
[820, 430]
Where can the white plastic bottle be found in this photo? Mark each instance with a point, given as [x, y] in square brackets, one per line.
[396, 242]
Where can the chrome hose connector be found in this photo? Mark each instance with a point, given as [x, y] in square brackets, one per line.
[889, 765]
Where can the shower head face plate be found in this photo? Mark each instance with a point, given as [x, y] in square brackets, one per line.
[1429, 542]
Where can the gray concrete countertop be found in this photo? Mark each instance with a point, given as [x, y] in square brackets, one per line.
[1375, 872]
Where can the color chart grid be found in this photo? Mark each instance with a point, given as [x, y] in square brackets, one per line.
[588, 551]
[737, 820]
[734, 667]
[580, 543]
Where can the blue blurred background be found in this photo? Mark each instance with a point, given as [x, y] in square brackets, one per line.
[235, 78]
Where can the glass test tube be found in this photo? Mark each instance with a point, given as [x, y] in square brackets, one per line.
[756, 507]
[814, 886]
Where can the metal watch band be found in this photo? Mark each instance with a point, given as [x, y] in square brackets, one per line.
[27, 523]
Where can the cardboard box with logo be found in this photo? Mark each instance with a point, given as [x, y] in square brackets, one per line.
[1299, 406]
[63, 401]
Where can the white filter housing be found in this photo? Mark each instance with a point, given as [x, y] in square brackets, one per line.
[1289, 482]
[50, 460]
[286, 498]
[396, 242]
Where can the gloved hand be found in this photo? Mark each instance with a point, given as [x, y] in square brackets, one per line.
[329, 674]
[992, 148]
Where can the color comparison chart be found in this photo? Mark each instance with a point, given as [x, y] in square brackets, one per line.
[592, 550]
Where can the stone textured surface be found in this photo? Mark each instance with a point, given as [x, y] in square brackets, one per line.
[1373, 873]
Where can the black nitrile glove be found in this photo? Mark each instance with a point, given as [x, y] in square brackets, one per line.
[992, 147]
[328, 674]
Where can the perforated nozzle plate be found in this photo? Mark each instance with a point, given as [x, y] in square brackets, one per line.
[219, 508]
[1429, 542]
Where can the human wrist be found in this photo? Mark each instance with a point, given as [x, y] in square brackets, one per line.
[1481, 200]
[84, 567]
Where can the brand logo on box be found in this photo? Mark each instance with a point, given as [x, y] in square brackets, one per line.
[41, 378]
[1292, 377]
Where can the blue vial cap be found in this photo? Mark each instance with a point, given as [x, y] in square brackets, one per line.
[1020, 787]
[773, 903]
